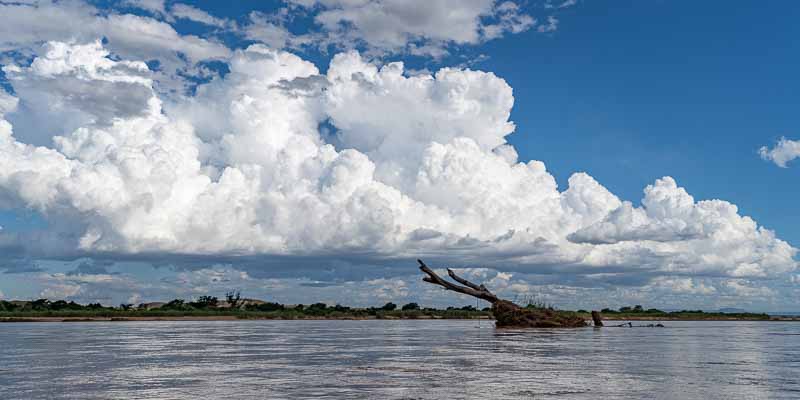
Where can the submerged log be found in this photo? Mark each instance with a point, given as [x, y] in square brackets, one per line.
[506, 313]
[598, 320]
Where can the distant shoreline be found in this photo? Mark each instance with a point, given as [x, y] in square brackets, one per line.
[226, 318]
[209, 308]
[714, 318]
[353, 318]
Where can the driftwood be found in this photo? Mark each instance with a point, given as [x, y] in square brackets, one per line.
[598, 320]
[506, 313]
[631, 325]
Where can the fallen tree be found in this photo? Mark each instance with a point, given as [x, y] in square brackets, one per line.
[506, 313]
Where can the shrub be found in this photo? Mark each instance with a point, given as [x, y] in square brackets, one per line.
[266, 307]
[40, 304]
[205, 302]
[63, 305]
[177, 304]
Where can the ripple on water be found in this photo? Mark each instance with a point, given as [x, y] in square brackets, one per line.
[395, 360]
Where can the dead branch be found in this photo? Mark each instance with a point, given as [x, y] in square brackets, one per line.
[464, 281]
[506, 313]
[470, 288]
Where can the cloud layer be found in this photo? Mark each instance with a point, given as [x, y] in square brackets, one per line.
[419, 26]
[87, 281]
[278, 159]
[131, 147]
[24, 26]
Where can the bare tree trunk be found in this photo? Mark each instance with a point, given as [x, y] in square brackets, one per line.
[470, 289]
[506, 313]
[598, 320]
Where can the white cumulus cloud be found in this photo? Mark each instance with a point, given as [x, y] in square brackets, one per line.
[681, 286]
[278, 159]
[24, 26]
[784, 151]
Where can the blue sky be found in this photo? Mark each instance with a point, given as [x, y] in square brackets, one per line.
[631, 91]
[627, 92]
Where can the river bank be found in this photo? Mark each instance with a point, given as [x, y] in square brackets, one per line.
[234, 308]
[356, 318]
[222, 318]
[713, 318]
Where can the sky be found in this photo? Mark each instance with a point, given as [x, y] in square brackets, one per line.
[587, 154]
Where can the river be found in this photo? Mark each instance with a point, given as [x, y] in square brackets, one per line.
[396, 359]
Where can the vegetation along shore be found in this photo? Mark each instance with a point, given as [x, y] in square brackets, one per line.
[235, 307]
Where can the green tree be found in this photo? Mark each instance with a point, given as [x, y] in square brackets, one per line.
[389, 306]
[205, 302]
[58, 305]
[233, 298]
[177, 304]
[317, 309]
[410, 306]
[40, 304]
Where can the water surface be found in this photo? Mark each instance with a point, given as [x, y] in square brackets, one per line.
[404, 359]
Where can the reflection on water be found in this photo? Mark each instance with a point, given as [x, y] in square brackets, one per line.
[396, 360]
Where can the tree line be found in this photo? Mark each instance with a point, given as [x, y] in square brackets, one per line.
[233, 304]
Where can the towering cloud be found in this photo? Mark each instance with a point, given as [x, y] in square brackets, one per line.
[278, 159]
